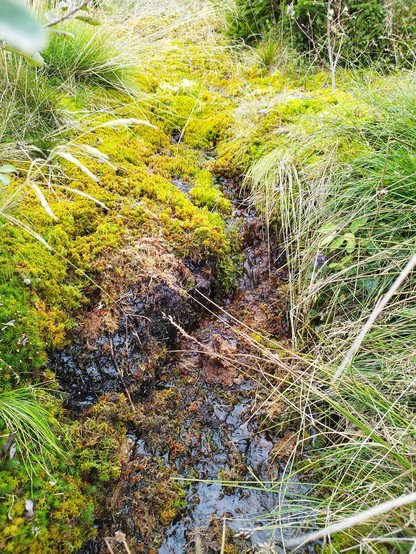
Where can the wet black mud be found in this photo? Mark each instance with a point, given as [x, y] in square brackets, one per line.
[127, 352]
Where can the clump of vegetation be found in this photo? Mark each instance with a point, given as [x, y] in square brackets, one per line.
[248, 19]
[96, 55]
[366, 32]
[339, 178]
[29, 110]
[110, 150]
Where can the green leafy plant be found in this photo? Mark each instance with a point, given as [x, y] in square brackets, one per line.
[336, 240]
[251, 18]
[353, 32]
[5, 170]
[22, 33]
[19, 29]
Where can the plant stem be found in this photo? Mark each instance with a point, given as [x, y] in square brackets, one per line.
[361, 517]
[67, 15]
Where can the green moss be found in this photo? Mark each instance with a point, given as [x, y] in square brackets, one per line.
[142, 200]
[42, 292]
[65, 499]
[62, 512]
[202, 118]
[21, 346]
[205, 193]
[154, 187]
[347, 542]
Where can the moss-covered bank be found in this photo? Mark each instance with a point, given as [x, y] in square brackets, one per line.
[160, 220]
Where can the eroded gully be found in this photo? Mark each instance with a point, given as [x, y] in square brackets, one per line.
[200, 430]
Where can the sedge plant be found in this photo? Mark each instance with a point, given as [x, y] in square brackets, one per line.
[341, 184]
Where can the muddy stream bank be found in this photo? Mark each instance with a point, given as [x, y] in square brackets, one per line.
[194, 386]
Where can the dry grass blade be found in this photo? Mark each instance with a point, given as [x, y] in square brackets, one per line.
[43, 201]
[70, 158]
[126, 122]
[84, 194]
[361, 517]
[374, 315]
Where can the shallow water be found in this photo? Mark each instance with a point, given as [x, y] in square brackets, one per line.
[230, 436]
[210, 500]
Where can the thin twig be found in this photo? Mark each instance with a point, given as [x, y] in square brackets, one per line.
[67, 15]
[224, 529]
[107, 542]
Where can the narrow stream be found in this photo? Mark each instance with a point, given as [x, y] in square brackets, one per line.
[227, 439]
[199, 424]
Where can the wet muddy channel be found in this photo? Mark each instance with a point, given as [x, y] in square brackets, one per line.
[201, 442]
[234, 461]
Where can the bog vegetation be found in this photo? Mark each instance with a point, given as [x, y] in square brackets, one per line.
[311, 107]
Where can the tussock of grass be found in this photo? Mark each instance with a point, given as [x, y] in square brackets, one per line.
[34, 427]
[96, 55]
[28, 107]
[342, 182]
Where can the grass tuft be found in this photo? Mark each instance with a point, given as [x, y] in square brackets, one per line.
[340, 179]
[24, 415]
[98, 56]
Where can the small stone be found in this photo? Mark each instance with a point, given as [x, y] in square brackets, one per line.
[29, 509]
